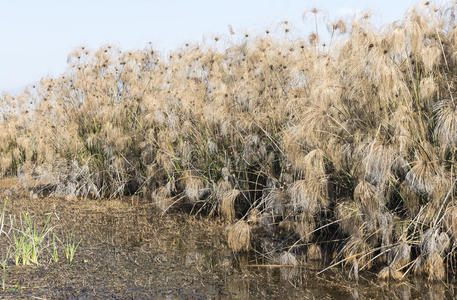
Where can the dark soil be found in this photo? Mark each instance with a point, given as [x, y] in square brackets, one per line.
[130, 250]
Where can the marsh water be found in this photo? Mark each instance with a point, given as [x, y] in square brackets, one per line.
[130, 250]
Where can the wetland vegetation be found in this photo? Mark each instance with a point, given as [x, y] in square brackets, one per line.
[294, 153]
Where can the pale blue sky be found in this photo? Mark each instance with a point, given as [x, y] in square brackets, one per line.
[36, 36]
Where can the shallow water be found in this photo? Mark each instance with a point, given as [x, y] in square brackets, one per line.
[130, 250]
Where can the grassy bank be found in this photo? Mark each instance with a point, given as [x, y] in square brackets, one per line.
[344, 152]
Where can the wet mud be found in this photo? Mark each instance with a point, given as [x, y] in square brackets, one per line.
[130, 250]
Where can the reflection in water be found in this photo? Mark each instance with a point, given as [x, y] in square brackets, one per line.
[223, 275]
[290, 274]
[299, 282]
[434, 291]
[402, 291]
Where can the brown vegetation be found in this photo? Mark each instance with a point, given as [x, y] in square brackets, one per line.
[352, 146]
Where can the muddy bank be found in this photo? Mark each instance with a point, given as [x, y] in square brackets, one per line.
[129, 249]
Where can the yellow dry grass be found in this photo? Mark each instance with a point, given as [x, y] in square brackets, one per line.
[239, 236]
[360, 132]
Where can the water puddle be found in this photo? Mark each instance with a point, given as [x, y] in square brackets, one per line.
[134, 251]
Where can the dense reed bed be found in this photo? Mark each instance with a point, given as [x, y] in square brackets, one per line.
[344, 151]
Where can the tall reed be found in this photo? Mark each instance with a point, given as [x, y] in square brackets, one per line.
[348, 145]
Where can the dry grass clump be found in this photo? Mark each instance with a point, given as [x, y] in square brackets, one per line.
[357, 252]
[450, 221]
[288, 259]
[239, 236]
[275, 202]
[255, 216]
[400, 255]
[365, 196]
[388, 273]
[226, 196]
[349, 217]
[411, 200]
[194, 186]
[431, 263]
[432, 267]
[338, 145]
[161, 198]
[305, 226]
[314, 253]
[228, 204]
[308, 196]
